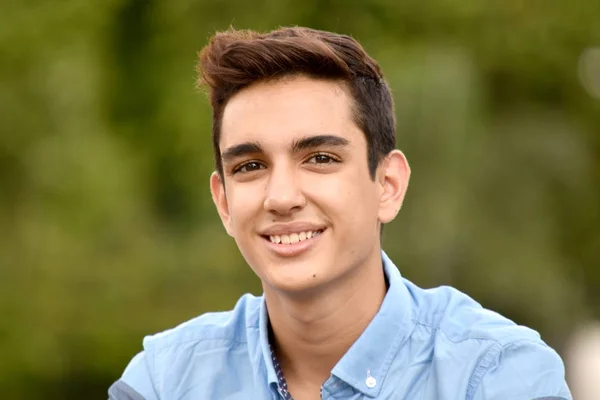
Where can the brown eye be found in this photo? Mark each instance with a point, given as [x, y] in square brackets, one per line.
[321, 159]
[249, 167]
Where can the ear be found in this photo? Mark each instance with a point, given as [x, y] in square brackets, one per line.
[217, 189]
[393, 176]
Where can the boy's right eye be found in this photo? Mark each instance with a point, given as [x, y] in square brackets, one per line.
[249, 167]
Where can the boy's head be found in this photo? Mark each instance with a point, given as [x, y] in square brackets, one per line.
[303, 131]
[234, 60]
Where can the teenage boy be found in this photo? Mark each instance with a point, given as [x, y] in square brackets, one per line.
[307, 174]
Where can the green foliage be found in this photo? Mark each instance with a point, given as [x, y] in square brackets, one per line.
[107, 229]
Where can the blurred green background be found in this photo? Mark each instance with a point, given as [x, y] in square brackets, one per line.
[107, 229]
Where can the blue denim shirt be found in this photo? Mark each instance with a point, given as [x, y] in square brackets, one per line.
[436, 344]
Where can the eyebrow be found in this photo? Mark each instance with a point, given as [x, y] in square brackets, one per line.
[240, 150]
[310, 142]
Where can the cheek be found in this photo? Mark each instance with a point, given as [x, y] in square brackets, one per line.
[244, 202]
[349, 200]
[329, 193]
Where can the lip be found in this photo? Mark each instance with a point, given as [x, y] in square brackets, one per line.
[295, 227]
[294, 249]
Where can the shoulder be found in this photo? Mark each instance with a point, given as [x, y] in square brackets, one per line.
[491, 354]
[452, 313]
[520, 369]
[224, 326]
[179, 358]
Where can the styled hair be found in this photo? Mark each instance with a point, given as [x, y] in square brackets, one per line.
[236, 59]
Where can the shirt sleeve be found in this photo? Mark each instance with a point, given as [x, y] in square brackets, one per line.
[524, 370]
[135, 383]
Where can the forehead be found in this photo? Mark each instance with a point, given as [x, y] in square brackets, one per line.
[277, 112]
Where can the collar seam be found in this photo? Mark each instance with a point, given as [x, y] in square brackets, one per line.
[400, 338]
[384, 367]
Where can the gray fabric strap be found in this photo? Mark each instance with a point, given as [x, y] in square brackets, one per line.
[122, 391]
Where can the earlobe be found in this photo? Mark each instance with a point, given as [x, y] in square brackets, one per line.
[394, 178]
[217, 190]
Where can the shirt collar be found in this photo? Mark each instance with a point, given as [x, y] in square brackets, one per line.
[366, 364]
[368, 360]
[263, 321]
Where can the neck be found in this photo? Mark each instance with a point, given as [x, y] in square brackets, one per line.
[312, 333]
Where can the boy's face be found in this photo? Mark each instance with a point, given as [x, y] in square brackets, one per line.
[297, 195]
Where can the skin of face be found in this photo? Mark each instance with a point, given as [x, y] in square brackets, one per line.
[294, 161]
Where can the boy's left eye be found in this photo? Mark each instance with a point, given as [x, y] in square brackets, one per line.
[321, 159]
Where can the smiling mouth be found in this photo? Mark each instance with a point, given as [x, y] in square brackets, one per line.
[293, 238]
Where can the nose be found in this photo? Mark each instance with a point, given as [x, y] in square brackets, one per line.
[283, 192]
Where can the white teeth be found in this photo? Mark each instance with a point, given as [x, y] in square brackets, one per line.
[293, 237]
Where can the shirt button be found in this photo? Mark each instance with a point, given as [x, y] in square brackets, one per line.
[371, 382]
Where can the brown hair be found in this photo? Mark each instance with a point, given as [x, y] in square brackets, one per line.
[235, 59]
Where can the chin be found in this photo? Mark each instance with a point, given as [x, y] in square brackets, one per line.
[294, 277]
